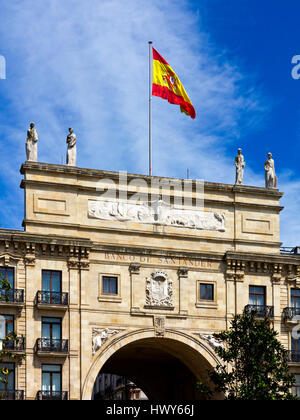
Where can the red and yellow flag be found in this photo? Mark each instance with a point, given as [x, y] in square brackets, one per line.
[166, 85]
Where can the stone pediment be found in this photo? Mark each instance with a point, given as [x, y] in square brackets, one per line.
[157, 212]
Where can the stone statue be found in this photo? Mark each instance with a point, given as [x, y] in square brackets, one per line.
[71, 152]
[240, 165]
[31, 143]
[271, 178]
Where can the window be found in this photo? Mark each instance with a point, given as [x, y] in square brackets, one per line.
[51, 328]
[110, 285]
[51, 334]
[9, 328]
[257, 295]
[295, 298]
[7, 273]
[9, 385]
[206, 291]
[296, 348]
[109, 288]
[51, 281]
[51, 287]
[296, 387]
[51, 381]
[9, 324]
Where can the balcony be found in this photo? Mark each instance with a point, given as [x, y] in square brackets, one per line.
[293, 356]
[12, 395]
[10, 298]
[260, 311]
[16, 345]
[290, 315]
[52, 395]
[52, 300]
[51, 347]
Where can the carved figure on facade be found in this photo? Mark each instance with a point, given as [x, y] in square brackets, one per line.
[159, 290]
[99, 337]
[211, 340]
[159, 326]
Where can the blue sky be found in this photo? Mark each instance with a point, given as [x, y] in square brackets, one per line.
[85, 64]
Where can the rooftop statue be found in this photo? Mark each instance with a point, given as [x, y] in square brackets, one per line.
[31, 143]
[240, 165]
[271, 178]
[71, 152]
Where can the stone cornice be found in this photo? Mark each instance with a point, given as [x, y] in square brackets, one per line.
[93, 190]
[22, 236]
[83, 172]
[263, 258]
[174, 235]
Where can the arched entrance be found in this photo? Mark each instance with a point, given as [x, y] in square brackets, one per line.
[165, 368]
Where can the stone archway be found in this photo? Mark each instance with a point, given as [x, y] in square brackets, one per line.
[164, 367]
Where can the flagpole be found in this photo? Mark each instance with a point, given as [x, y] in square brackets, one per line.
[150, 109]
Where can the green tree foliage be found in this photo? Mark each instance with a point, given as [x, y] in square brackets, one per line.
[255, 362]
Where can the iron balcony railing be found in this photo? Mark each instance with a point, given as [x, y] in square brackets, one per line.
[290, 313]
[293, 356]
[52, 298]
[52, 345]
[12, 395]
[260, 311]
[17, 344]
[12, 296]
[52, 395]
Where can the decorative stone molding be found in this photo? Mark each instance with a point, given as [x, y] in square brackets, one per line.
[73, 264]
[134, 268]
[240, 271]
[29, 260]
[235, 270]
[183, 272]
[159, 290]
[159, 326]
[99, 337]
[7, 258]
[294, 281]
[277, 273]
[84, 264]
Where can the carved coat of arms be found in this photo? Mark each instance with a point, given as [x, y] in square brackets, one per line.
[159, 290]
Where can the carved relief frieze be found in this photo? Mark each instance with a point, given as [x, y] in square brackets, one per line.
[157, 212]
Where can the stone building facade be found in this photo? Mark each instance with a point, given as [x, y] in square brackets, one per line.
[104, 282]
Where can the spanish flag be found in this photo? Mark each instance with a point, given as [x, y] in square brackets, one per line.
[166, 85]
